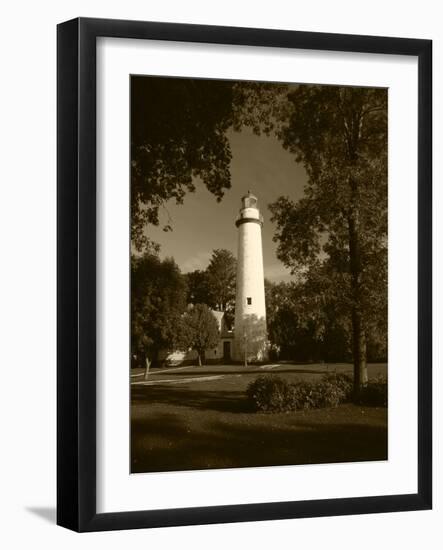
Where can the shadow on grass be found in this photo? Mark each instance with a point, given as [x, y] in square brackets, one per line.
[167, 442]
[212, 425]
[217, 400]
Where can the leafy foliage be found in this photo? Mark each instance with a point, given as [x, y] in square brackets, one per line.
[250, 343]
[292, 335]
[261, 106]
[310, 395]
[272, 393]
[199, 330]
[342, 381]
[221, 274]
[198, 288]
[303, 325]
[374, 393]
[215, 286]
[158, 300]
[178, 135]
[336, 235]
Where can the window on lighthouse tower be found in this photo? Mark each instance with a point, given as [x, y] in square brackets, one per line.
[249, 301]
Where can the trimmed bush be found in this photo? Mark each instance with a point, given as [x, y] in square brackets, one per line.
[343, 381]
[272, 393]
[374, 393]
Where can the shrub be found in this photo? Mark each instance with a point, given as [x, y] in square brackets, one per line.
[374, 393]
[325, 393]
[304, 395]
[271, 393]
[343, 381]
[328, 394]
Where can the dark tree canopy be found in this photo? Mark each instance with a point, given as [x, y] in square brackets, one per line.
[303, 325]
[198, 288]
[199, 330]
[178, 134]
[221, 276]
[340, 136]
[339, 228]
[308, 321]
[158, 300]
[215, 286]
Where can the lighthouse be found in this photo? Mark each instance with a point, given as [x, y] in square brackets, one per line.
[250, 336]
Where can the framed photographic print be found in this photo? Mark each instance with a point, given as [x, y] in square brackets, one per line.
[244, 274]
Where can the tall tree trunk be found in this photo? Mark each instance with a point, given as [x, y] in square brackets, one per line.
[147, 366]
[359, 350]
[358, 325]
[199, 359]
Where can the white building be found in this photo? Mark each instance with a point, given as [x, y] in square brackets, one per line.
[248, 341]
[250, 334]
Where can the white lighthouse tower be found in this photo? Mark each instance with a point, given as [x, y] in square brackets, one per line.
[250, 336]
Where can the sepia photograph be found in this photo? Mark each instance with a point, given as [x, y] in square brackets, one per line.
[259, 274]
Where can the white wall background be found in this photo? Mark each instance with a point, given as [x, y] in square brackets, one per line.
[27, 276]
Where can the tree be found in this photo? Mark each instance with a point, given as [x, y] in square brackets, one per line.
[158, 300]
[297, 321]
[215, 286]
[279, 304]
[198, 288]
[221, 276]
[178, 135]
[340, 225]
[199, 330]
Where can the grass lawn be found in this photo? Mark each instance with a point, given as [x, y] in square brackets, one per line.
[198, 417]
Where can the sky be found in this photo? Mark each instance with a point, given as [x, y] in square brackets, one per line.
[200, 224]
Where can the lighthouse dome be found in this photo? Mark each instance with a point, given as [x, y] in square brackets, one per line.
[249, 201]
[249, 211]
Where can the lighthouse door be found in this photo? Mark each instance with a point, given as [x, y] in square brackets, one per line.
[226, 351]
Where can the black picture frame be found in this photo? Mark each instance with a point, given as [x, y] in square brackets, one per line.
[76, 265]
